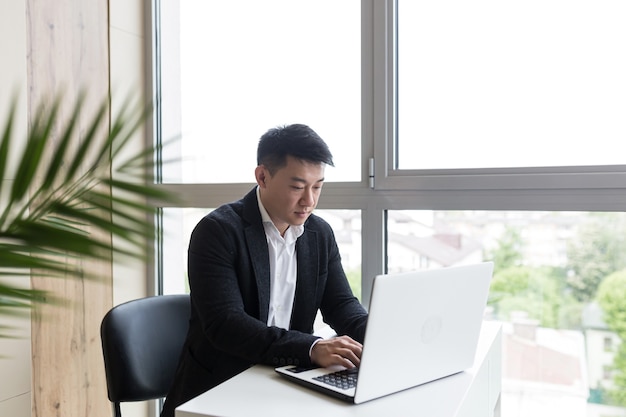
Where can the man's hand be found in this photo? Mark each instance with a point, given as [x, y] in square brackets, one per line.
[341, 350]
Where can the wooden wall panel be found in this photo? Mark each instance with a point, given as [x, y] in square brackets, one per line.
[68, 49]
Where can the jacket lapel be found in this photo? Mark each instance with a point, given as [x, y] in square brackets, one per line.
[259, 255]
[303, 313]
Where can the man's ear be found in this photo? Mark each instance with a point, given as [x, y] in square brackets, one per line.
[260, 174]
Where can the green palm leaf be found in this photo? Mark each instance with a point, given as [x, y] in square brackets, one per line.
[70, 203]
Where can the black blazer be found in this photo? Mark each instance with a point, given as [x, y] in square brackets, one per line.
[229, 276]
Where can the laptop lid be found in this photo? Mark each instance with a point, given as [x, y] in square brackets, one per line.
[422, 326]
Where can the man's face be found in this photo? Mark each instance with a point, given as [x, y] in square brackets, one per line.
[291, 194]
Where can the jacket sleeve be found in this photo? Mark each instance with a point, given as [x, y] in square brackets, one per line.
[340, 308]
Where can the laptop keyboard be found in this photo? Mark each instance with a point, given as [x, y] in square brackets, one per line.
[344, 379]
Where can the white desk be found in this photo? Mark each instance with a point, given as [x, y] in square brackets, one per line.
[260, 392]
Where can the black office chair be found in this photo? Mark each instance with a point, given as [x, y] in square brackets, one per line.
[141, 343]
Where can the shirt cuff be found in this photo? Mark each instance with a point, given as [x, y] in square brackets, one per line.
[313, 344]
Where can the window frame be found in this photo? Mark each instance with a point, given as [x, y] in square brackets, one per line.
[561, 179]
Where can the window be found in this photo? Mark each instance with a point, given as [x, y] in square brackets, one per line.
[546, 75]
[492, 129]
[608, 344]
[542, 285]
[240, 67]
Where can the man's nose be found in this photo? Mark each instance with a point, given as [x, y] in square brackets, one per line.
[308, 198]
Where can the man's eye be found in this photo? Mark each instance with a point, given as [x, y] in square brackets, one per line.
[297, 188]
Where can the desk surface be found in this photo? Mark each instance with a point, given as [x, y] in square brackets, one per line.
[259, 391]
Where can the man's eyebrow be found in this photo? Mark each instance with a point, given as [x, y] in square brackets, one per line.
[302, 180]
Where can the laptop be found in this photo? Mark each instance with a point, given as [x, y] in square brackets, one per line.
[422, 326]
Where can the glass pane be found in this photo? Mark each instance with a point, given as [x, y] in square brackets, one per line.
[247, 66]
[179, 223]
[347, 227]
[487, 84]
[559, 289]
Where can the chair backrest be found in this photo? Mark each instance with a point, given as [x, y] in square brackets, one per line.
[141, 343]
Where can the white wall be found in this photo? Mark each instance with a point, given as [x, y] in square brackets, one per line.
[15, 353]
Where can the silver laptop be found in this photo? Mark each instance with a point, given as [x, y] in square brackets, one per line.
[422, 326]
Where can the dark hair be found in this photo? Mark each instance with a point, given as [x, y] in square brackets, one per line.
[296, 140]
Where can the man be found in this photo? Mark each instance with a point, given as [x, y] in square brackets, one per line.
[259, 270]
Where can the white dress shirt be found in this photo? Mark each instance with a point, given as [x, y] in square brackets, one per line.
[283, 269]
